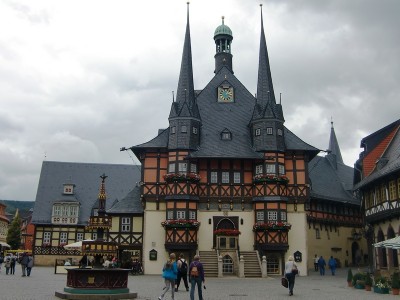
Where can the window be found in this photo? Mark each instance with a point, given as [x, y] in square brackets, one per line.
[65, 213]
[272, 216]
[214, 177]
[392, 190]
[257, 132]
[281, 169]
[79, 236]
[260, 216]
[63, 237]
[180, 214]
[259, 169]
[270, 168]
[94, 235]
[269, 130]
[317, 233]
[236, 177]
[170, 215]
[194, 130]
[280, 132]
[171, 168]
[46, 237]
[56, 210]
[192, 215]
[225, 177]
[173, 129]
[226, 136]
[125, 224]
[182, 167]
[283, 216]
[193, 168]
[68, 189]
[184, 129]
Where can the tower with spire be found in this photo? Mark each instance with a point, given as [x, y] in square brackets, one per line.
[184, 117]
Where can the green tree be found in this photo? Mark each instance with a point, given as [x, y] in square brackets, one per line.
[14, 233]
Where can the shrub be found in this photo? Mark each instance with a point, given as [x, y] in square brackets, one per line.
[358, 277]
[349, 275]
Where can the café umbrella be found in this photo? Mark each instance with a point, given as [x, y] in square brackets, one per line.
[76, 245]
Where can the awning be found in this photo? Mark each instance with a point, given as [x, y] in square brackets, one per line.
[393, 243]
[4, 244]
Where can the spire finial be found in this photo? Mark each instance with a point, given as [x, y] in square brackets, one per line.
[280, 98]
[173, 97]
[222, 20]
[331, 122]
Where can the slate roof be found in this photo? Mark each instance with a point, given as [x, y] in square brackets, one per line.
[130, 204]
[86, 177]
[331, 182]
[392, 155]
[216, 117]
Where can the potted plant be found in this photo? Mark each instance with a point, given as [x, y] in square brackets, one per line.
[349, 277]
[395, 283]
[381, 285]
[368, 282]
[359, 281]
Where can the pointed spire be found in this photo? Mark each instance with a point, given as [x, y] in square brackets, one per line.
[334, 145]
[102, 195]
[185, 91]
[264, 84]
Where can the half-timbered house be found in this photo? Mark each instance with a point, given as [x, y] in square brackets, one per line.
[335, 221]
[377, 174]
[226, 178]
[66, 198]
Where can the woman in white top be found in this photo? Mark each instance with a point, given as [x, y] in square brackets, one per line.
[289, 265]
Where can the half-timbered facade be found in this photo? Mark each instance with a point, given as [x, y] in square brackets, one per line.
[334, 218]
[378, 177]
[4, 222]
[226, 175]
[66, 198]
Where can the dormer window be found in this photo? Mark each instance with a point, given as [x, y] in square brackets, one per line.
[269, 130]
[258, 132]
[184, 129]
[68, 189]
[195, 130]
[173, 129]
[65, 213]
[226, 135]
[280, 132]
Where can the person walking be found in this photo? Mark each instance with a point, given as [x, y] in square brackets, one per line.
[321, 265]
[182, 272]
[24, 259]
[332, 265]
[29, 266]
[196, 273]
[170, 271]
[290, 276]
[316, 258]
[7, 263]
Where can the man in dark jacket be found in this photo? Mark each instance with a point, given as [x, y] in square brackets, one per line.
[196, 273]
[24, 262]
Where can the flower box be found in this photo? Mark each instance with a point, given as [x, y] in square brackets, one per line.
[180, 177]
[272, 226]
[270, 178]
[227, 232]
[180, 223]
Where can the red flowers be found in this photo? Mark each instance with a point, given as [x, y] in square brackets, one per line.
[180, 177]
[229, 232]
[272, 226]
[270, 178]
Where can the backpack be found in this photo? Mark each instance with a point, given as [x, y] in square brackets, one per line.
[194, 272]
[183, 268]
[168, 265]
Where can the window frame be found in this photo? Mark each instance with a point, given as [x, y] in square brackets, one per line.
[125, 224]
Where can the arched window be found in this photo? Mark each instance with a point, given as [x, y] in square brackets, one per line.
[392, 253]
[382, 258]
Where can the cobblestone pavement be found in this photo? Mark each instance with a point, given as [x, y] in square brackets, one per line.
[43, 283]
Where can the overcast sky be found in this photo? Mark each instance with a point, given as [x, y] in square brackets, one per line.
[81, 79]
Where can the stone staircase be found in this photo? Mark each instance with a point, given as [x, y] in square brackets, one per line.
[251, 266]
[209, 259]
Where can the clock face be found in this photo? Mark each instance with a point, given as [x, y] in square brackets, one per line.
[225, 94]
